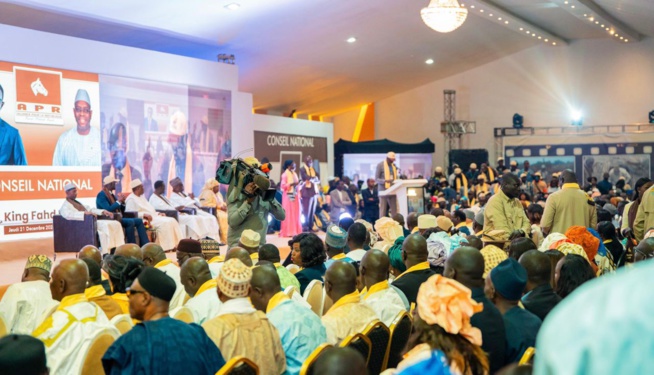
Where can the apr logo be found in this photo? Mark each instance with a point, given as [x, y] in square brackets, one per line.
[38, 88]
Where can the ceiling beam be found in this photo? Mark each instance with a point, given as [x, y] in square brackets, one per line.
[502, 17]
[591, 13]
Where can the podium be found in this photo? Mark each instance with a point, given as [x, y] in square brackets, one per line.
[410, 195]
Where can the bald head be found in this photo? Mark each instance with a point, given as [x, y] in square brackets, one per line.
[414, 250]
[264, 285]
[374, 267]
[538, 266]
[475, 242]
[240, 254]
[340, 279]
[194, 272]
[340, 361]
[398, 218]
[152, 254]
[412, 220]
[68, 278]
[569, 177]
[129, 250]
[90, 252]
[466, 265]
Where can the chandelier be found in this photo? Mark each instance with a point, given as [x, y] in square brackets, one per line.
[444, 15]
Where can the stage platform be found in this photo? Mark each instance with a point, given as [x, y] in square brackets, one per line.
[13, 255]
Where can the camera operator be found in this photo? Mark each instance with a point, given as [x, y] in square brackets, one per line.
[246, 208]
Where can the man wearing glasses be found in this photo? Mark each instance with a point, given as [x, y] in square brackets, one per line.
[79, 146]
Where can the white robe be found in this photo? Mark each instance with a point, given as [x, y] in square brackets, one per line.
[173, 271]
[110, 231]
[209, 222]
[204, 305]
[169, 232]
[69, 332]
[386, 303]
[24, 305]
[197, 226]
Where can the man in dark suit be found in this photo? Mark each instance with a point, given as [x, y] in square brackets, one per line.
[370, 202]
[540, 298]
[106, 200]
[466, 265]
[414, 255]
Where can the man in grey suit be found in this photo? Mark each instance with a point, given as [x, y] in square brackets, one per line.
[340, 200]
[385, 174]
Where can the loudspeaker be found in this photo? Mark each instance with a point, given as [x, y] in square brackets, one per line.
[465, 157]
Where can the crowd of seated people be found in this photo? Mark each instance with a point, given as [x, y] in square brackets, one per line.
[504, 273]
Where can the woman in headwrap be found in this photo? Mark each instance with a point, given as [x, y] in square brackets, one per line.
[395, 257]
[389, 230]
[552, 241]
[122, 272]
[290, 201]
[442, 322]
[211, 197]
[581, 236]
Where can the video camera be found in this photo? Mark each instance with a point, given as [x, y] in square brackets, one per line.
[245, 174]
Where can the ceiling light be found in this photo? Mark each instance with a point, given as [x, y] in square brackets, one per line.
[602, 26]
[506, 22]
[429, 61]
[626, 40]
[232, 6]
[553, 43]
[521, 29]
[499, 18]
[591, 19]
[539, 37]
[585, 15]
[547, 40]
[565, 2]
[490, 15]
[607, 29]
[527, 32]
[576, 117]
[351, 39]
[572, 6]
[481, 10]
[596, 22]
[621, 38]
[472, 6]
[444, 15]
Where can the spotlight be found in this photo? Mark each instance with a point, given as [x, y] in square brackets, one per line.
[518, 121]
[577, 117]
[344, 215]
[651, 117]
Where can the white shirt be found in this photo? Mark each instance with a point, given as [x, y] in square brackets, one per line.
[386, 303]
[24, 304]
[205, 304]
[173, 271]
[356, 255]
[236, 306]
[78, 150]
[140, 205]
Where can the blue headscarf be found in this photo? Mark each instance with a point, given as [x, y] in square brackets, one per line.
[602, 249]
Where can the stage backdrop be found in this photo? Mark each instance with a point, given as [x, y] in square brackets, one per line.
[138, 129]
[39, 145]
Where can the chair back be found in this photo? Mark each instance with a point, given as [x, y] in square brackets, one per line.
[3, 327]
[400, 332]
[380, 337]
[290, 290]
[527, 357]
[360, 343]
[313, 296]
[123, 322]
[184, 314]
[307, 366]
[326, 302]
[239, 366]
[92, 364]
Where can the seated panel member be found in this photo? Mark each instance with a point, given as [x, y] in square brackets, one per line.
[169, 232]
[106, 200]
[196, 226]
[110, 231]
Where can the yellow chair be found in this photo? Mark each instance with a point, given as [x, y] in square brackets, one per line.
[3, 327]
[380, 337]
[184, 314]
[527, 356]
[123, 322]
[307, 366]
[290, 290]
[400, 331]
[360, 343]
[92, 364]
[239, 366]
[326, 302]
[313, 296]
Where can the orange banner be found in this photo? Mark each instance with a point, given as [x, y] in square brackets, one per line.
[47, 185]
